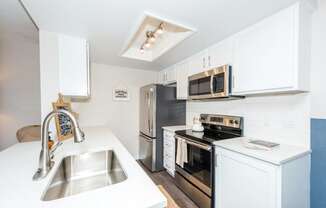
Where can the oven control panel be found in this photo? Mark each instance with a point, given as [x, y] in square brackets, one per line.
[222, 120]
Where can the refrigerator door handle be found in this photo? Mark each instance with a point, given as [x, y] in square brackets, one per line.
[148, 111]
[151, 112]
[146, 138]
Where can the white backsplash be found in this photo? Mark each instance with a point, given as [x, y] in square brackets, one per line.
[282, 118]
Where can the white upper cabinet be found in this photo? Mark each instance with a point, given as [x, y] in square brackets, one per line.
[161, 76]
[182, 80]
[171, 75]
[198, 63]
[221, 54]
[167, 76]
[74, 67]
[218, 55]
[271, 56]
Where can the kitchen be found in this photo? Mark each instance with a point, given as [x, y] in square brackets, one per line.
[258, 77]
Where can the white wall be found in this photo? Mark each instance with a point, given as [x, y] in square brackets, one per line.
[19, 85]
[282, 119]
[121, 117]
[318, 87]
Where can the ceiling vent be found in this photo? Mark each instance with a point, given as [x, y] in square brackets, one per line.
[154, 37]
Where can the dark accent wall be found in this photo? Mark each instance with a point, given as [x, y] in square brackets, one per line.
[318, 163]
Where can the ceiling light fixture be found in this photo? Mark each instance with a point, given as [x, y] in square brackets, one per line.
[160, 29]
[151, 37]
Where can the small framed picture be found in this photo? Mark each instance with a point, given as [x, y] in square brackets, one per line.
[121, 94]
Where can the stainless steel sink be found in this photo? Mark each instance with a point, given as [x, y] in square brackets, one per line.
[84, 172]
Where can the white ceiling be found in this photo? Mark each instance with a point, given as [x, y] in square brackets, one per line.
[14, 20]
[108, 24]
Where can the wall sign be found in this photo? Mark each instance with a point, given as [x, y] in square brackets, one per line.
[121, 94]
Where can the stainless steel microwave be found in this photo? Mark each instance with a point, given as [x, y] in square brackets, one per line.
[214, 83]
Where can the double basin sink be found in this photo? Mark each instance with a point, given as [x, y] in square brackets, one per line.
[84, 172]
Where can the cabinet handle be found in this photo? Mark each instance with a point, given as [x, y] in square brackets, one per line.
[209, 61]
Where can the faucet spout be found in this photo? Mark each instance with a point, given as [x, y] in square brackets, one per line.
[45, 163]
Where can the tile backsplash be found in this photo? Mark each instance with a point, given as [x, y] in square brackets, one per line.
[282, 118]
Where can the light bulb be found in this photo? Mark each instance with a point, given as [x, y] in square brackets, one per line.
[152, 39]
[159, 31]
[142, 50]
[147, 44]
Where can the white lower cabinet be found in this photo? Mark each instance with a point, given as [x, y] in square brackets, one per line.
[243, 181]
[169, 152]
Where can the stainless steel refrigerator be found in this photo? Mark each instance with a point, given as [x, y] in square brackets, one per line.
[158, 107]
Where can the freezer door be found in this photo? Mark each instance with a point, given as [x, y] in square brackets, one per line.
[147, 151]
[148, 110]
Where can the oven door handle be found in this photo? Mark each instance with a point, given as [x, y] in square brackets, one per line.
[201, 146]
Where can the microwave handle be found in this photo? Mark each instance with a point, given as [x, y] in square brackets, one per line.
[212, 84]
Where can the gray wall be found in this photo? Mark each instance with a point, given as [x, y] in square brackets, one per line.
[19, 85]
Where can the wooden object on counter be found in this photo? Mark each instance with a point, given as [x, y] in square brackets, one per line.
[29, 133]
[62, 122]
[171, 202]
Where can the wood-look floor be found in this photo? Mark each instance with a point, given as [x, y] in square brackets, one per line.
[164, 179]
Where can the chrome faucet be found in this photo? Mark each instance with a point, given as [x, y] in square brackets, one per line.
[45, 162]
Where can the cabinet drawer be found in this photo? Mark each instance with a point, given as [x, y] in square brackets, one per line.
[168, 143]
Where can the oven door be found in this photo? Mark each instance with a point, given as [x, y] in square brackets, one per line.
[198, 170]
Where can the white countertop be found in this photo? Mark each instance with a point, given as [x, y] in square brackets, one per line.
[176, 128]
[19, 162]
[278, 155]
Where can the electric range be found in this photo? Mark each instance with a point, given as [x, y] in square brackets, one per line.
[196, 176]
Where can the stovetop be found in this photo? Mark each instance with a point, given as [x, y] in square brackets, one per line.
[216, 127]
[205, 137]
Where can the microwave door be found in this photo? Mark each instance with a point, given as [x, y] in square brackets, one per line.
[220, 84]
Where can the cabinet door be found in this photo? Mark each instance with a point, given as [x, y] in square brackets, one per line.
[169, 152]
[167, 76]
[198, 63]
[171, 75]
[264, 55]
[221, 53]
[74, 66]
[161, 77]
[244, 182]
[182, 80]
